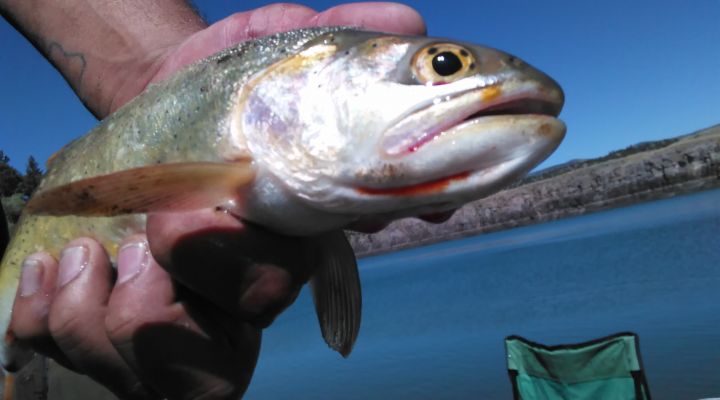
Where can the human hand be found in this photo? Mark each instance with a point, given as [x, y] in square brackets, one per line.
[142, 334]
[274, 18]
[194, 331]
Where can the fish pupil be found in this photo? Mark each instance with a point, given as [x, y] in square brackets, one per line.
[446, 63]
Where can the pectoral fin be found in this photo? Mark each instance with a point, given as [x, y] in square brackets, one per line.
[162, 187]
[336, 292]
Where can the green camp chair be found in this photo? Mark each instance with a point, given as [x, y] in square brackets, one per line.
[607, 368]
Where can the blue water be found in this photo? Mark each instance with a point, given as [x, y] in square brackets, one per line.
[435, 317]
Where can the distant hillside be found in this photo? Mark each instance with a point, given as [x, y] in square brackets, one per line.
[641, 172]
[628, 151]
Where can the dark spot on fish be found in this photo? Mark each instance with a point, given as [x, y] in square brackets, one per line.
[224, 58]
[545, 129]
[432, 50]
[347, 52]
[115, 207]
[84, 195]
[472, 65]
[464, 53]
[203, 89]
[374, 45]
[133, 188]
[515, 61]
[126, 211]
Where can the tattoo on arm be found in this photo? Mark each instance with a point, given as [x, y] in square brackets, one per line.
[56, 51]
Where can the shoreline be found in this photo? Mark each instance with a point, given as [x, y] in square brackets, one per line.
[642, 172]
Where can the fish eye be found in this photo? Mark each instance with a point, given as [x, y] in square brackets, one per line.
[441, 63]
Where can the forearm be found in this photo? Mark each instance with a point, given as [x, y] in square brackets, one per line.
[107, 50]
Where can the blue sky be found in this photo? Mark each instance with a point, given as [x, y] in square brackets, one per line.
[632, 70]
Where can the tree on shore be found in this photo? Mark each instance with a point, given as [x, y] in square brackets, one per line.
[10, 178]
[16, 188]
[31, 179]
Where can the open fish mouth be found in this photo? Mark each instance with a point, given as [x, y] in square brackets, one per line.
[427, 124]
[518, 106]
[479, 132]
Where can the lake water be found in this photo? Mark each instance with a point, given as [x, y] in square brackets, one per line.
[435, 317]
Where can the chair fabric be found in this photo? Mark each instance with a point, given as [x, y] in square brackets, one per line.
[606, 368]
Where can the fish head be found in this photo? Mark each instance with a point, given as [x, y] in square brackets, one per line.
[387, 126]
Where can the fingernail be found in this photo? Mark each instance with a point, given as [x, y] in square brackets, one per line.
[31, 277]
[72, 261]
[132, 259]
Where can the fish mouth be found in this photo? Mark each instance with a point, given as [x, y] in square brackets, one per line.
[495, 131]
[427, 124]
[520, 106]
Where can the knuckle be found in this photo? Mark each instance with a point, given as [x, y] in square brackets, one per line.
[121, 323]
[66, 322]
[29, 321]
[70, 330]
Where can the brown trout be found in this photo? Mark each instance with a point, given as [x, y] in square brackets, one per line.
[305, 133]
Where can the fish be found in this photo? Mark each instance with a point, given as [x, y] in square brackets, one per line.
[305, 133]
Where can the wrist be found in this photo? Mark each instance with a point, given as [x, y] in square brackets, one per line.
[120, 81]
[107, 53]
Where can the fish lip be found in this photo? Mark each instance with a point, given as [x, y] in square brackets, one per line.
[527, 101]
[538, 105]
[436, 185]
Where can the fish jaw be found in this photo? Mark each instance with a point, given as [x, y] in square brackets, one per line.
[475, 142]
[478, 157]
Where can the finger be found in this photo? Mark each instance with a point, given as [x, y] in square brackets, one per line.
[247, 271]
[35, 293]
[234, 29]
[384, 17]
[77, 318]
[266, 20]
[274, 18]
[185, 350]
